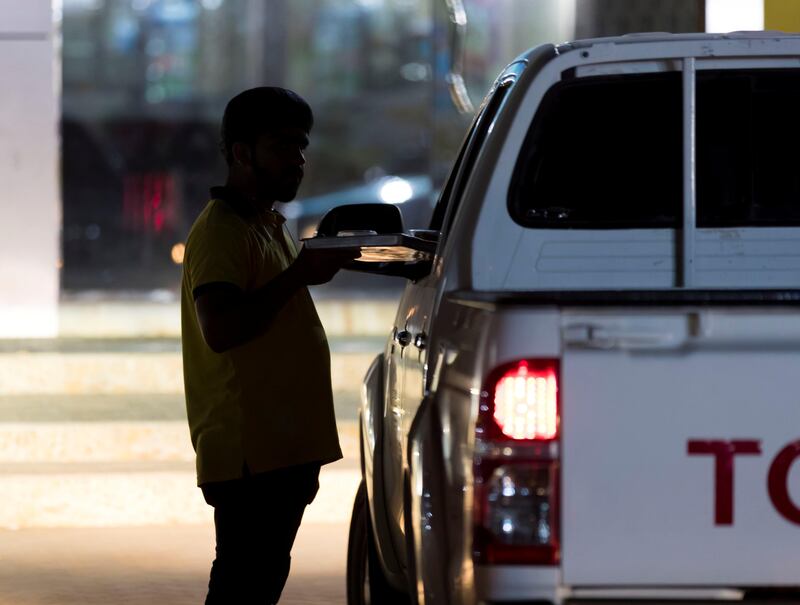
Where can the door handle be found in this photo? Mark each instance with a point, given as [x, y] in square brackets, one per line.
[601, 337]
[403, 338]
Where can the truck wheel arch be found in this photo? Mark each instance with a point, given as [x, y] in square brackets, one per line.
[424, 491]
[371, 448]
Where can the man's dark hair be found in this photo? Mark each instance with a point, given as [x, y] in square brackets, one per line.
[261, 110]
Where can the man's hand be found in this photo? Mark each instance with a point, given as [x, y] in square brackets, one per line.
[314, 267]
[229, 317]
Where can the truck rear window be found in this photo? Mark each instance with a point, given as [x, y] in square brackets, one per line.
[748, 128]
[606, 152]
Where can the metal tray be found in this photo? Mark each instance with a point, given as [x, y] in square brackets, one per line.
[384, 248]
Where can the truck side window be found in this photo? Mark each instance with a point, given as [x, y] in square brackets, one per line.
[603, 152]
[437, 219]
[451, 195]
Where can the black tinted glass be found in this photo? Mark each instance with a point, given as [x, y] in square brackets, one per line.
[469, 151]
[603, 152]
[607, 153]
[748, 134]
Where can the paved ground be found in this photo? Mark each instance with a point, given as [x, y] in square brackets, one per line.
[159, 315]
[151, 565]
[99, 503]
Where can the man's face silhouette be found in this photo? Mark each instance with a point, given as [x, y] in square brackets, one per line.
[278, 163]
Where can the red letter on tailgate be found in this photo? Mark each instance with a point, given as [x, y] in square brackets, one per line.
[777, 482]
[724, 452]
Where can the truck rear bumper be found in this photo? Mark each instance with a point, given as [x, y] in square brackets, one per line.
[770, 601]
[528, 585]
[517, 583]
[675, 602]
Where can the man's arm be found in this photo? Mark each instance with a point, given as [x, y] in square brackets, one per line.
[229, 317]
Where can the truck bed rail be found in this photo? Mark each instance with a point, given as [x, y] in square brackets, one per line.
[580, 298]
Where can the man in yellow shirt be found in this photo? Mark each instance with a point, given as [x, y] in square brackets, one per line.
[255, 357]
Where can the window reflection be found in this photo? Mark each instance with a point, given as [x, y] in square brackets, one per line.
[144, 85]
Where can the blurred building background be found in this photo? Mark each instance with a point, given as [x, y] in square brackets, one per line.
[136, 89]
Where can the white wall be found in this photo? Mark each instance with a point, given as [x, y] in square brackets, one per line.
[30, 205]
[734, 15]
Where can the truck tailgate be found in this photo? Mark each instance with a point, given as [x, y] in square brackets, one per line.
[680, 431]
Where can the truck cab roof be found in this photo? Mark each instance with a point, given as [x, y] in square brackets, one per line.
[667, 37]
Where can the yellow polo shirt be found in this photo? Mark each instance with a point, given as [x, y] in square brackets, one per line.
[268, 403]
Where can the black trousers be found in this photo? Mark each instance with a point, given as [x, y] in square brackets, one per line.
[256, 520]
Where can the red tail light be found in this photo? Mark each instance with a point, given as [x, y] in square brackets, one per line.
[516, 466]
[525, 404]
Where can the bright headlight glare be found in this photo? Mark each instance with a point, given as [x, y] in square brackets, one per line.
[395, 190]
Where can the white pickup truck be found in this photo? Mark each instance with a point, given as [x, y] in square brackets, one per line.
[592, 388]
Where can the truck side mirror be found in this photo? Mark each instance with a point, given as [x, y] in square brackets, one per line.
[377, 229]
[364, 218]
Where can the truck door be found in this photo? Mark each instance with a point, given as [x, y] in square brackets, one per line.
[411, 337]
